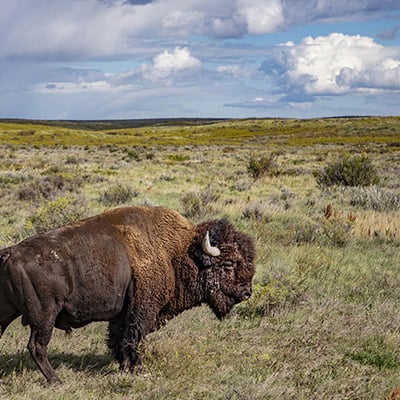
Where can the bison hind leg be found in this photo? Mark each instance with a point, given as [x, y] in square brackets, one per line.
[37, 347]
[124, 334]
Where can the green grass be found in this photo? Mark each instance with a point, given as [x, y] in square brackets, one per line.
[323, 321]
[347, 131]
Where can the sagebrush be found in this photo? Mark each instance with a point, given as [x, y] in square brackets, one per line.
[348, 170]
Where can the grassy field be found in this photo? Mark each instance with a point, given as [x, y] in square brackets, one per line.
[324, 318]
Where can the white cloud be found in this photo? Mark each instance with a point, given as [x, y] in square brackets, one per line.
[382, 76]
[165, 69]
[183, 22]
[166, 64]
[234, 70]
[249, 17]
[261, 16]
[336, 64]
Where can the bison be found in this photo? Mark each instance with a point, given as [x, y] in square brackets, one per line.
[135, 267]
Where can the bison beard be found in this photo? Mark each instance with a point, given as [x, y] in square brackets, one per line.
[136, 267]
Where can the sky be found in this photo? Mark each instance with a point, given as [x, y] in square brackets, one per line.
[123, 59]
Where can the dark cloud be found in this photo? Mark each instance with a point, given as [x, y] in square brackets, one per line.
[379, 5]
[137, 2]
[302, 11]
[119, 2]
[389, 34]
[275, 64]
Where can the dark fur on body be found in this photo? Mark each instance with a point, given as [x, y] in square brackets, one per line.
[136, 267]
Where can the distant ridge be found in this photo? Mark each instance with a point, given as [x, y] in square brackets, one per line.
[109, 124]
[117, 123]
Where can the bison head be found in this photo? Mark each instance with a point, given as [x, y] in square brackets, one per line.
[225, 258]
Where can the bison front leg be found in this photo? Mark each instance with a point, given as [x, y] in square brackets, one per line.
[124, 334]
[37, 346]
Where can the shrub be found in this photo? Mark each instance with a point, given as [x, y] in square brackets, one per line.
[259, 166]
[27, 132]
[256, 212]
[197, 205]
[118, 194]
[375, 198]
[53, 213]
[305, 232]
[348, 171]
[178, 157]
[72, 159]
[242, 184]
[150, 156]
[133, 154]
[336, 228]
[50, 186]
[12, 178]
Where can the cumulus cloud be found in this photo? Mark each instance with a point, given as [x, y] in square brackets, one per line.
[165, 69]
[261, 16]
[248, 17]
[166, 64]
[335, 64]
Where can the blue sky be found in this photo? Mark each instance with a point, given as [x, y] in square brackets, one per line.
[112, 59]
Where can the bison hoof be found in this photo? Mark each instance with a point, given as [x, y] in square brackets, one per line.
[130, 365]
[54, 380]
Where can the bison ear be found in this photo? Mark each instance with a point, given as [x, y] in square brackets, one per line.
[212, 251]
[202, 252]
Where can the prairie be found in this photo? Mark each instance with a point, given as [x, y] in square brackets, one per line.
[324, 318]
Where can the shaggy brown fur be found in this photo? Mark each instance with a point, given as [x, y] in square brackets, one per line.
[394, 394]
[136, 267]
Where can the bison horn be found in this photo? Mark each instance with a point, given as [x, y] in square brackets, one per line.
[208, 249]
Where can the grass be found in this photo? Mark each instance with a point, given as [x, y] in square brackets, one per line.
[346, 131]
[323, 321]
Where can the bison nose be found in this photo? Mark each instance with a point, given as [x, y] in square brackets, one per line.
[246, 295]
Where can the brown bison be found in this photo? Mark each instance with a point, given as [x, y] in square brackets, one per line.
[136, 267]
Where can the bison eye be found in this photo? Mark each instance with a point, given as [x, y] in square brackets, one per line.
[229, 265]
